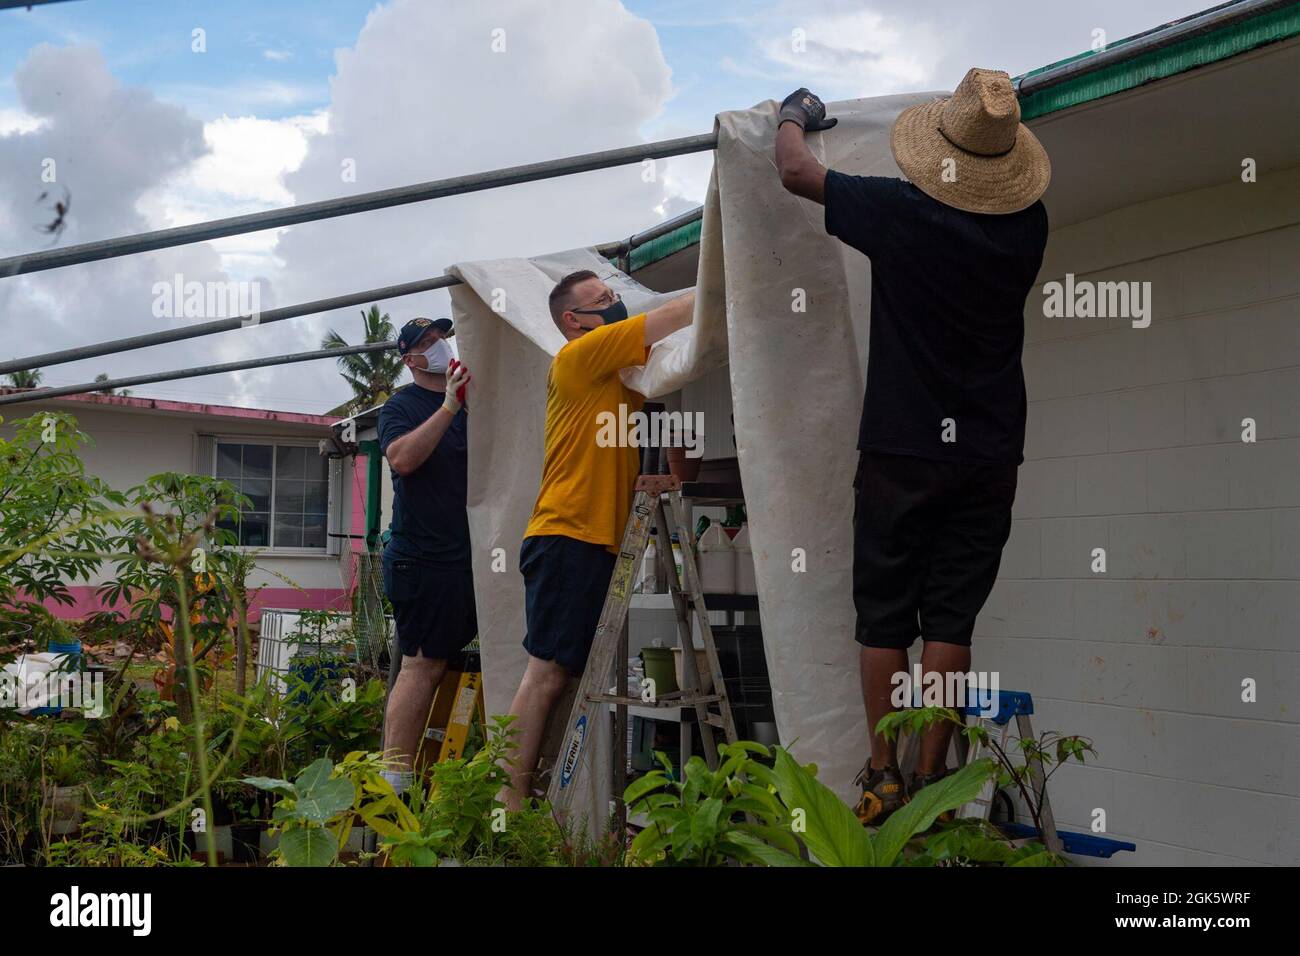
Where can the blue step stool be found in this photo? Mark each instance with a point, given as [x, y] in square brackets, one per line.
[997, 715]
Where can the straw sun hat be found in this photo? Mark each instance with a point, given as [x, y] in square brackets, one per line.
[970, 150]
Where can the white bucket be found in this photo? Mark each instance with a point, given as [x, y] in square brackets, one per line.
[716, 562]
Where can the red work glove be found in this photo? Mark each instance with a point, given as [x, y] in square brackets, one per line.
[457, 379]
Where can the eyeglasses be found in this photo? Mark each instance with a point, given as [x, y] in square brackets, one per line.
[608, 298]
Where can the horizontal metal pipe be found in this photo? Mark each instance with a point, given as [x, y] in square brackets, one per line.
[41, 394]
[1158, 38]
[349, 205]
[114, 346]
[11, 4]
[654, 232]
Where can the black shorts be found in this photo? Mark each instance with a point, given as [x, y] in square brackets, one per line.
[927, 542]
[433, 606]
[565, 582]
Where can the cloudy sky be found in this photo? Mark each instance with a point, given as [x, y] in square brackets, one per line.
[145, 131]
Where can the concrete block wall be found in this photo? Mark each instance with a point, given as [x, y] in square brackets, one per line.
[1135, 445]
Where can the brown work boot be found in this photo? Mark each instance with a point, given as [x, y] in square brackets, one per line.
[882, 794]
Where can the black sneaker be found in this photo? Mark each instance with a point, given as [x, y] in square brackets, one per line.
[882, 794]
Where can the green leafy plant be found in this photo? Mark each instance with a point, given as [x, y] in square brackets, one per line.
[54, 518]
[977, 843]
[457, 818]
[746, 812]
[832, 832]
[1047, 752]
[175, 566]
[701, 819]
[316, 812]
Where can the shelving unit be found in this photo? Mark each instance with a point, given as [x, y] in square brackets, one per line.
[697, 494]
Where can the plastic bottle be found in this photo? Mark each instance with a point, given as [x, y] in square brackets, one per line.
[716, 562]
[647, 583]
[677, 560]
[745, 582]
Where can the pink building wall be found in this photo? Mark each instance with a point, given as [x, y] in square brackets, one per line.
[86, 600]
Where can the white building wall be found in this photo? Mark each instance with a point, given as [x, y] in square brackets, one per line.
[130, 445]
[1134, 445]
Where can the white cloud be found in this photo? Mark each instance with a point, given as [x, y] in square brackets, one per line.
[845, 52]
[16, 121]
[110, 146]
[421, 95]
[277, 56]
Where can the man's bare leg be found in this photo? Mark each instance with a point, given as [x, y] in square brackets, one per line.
[408, 706]
[542, 685]
[945, 659]
[878, 665]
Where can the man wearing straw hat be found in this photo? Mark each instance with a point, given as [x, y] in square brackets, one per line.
[955, 250]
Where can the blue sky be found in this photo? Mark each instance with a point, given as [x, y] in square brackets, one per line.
[284, 48]
[149, 133]
[275, 59]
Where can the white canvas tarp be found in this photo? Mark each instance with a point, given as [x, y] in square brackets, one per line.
[785, 307]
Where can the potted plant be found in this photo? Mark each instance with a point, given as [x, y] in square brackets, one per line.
[64, 788]
[247, 822]
[680, 465]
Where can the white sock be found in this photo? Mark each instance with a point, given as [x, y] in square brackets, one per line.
[400, 779]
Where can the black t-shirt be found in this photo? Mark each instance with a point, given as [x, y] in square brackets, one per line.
[948, 292]
[429, 519]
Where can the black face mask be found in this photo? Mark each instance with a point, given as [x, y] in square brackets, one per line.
[614, 312]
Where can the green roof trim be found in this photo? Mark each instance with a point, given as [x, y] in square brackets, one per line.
[664, 246]
[1177, 58]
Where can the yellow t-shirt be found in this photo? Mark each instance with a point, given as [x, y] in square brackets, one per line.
[586, 489]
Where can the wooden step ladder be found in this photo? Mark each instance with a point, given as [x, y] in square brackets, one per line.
[657, 503]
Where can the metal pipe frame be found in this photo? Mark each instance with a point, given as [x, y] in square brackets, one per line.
[114, 346]
[43, 394]
[1226, 14]
[349, 205]
[1215, 18]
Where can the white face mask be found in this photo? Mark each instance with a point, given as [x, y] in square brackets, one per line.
[439, 356]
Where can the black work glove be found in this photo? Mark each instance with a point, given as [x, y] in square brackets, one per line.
[804, 108]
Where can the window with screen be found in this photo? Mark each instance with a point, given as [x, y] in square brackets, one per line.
[288, 491]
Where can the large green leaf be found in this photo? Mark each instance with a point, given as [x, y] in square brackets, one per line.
[314, 775]
[704, 822]
[971, 840]
[275, 785]
[309, 846]
[925, 806]
[638, 788]
[750, 849]
[327, 799]
[833, 834]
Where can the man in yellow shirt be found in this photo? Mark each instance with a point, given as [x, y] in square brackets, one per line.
[572, 540]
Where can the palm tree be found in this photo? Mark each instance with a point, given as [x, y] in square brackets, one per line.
[122, 392]
[372, 375]
[27, 378]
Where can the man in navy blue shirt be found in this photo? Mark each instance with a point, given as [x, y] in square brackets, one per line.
[954, 254]
[427, 561]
